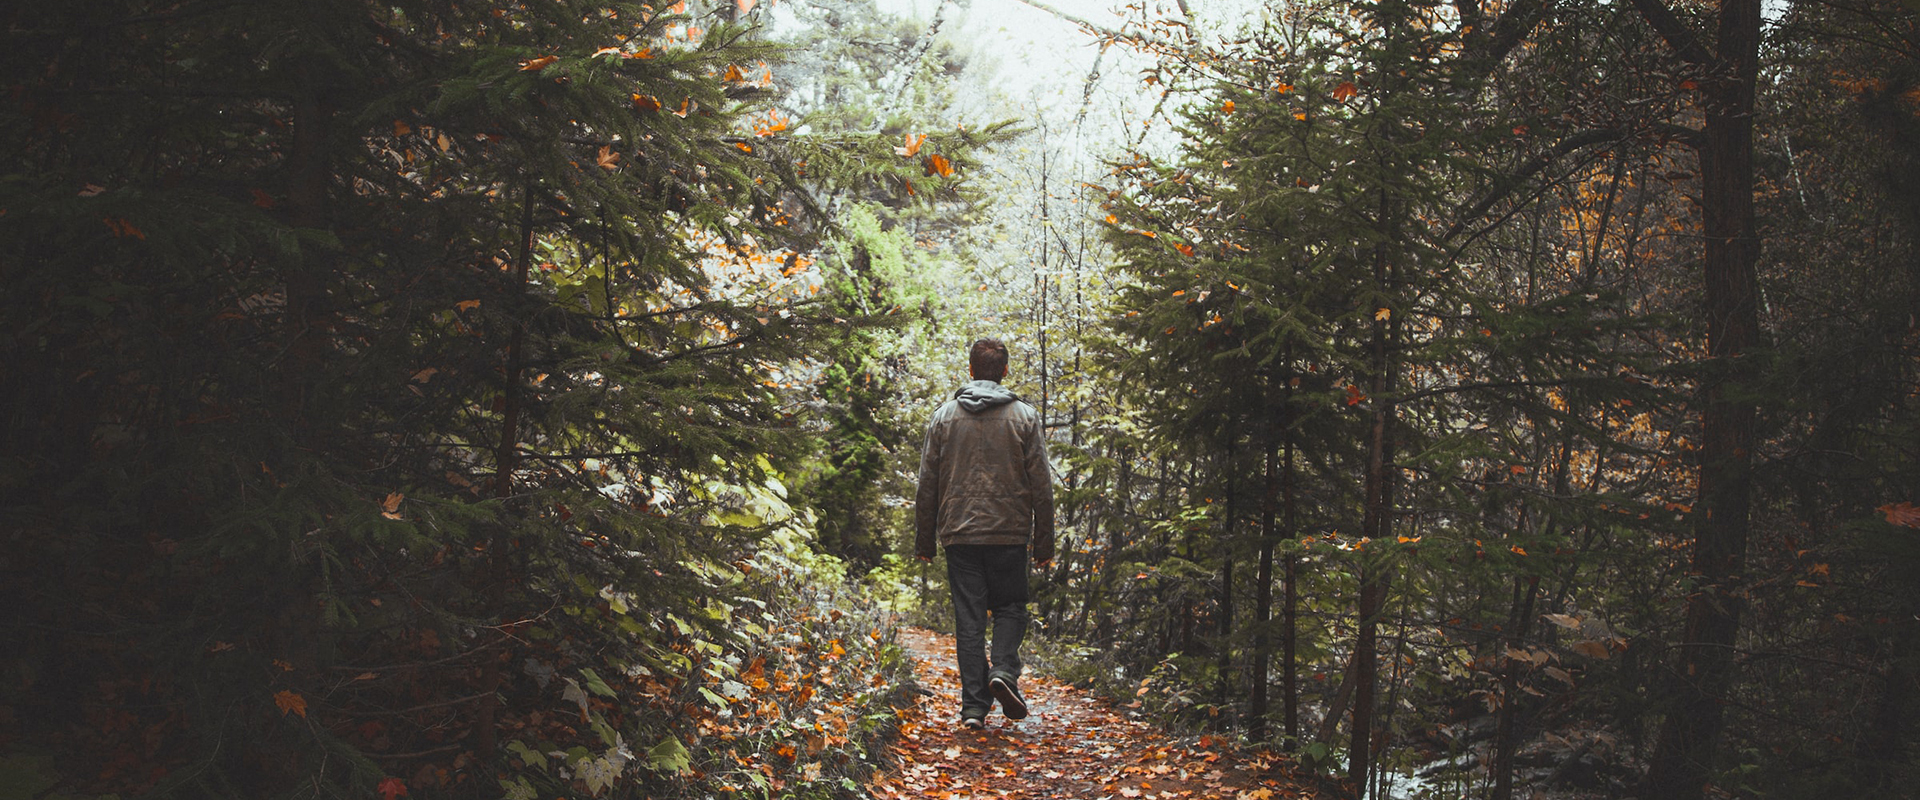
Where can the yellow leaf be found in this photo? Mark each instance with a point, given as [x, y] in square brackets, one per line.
[1383, 314]
[608, 159]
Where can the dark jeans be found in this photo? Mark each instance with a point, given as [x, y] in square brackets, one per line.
[986, 579]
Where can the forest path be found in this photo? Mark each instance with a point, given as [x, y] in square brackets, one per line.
[1073, 746]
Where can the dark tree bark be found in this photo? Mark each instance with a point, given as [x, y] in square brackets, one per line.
[1683, 755]
[1375, 524]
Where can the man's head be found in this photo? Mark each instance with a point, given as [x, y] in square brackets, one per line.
[987, 360]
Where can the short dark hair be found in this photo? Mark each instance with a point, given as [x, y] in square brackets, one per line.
[987, 359]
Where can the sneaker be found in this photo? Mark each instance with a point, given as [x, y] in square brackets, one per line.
[973, 723]
[1011, 703]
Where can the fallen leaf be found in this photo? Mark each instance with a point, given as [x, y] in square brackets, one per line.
[535, 65]
[607, 159]
[1344, 92]
[390, 788]
[290, 702]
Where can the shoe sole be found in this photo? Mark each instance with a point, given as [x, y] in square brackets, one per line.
[1010, 703]
[973, 724]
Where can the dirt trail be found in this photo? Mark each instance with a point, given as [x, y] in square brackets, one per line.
[1073, 746]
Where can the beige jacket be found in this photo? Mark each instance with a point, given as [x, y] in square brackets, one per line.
[984, 477]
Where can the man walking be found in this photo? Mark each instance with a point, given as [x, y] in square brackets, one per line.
[985, 494]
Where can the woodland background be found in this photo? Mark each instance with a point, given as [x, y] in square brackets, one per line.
[449, 398]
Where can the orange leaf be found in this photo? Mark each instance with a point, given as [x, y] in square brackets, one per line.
[646, 102]
[687, 106]
[911, 147]
[537, 64]
[744, 6]
[608, 159]
[1283, 88]
[290, 702]
[262, 199]
[401, 128]
[939, 165]
[1112, 220]
[734, 74]
[1354, 395]
[390, 788]
[1344, 92]
[1149, 234]
[1902, 514]
[466, 305]
[1226, 107]
[1185, 249]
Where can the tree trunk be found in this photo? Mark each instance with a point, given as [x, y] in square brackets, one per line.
[1290, 601]
[1683, 755]
[1263, 599]
[1375, 525]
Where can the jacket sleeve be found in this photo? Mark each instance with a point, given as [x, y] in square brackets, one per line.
[926, 499]
[1040, 486]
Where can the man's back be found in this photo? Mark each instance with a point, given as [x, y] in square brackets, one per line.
[983, 473]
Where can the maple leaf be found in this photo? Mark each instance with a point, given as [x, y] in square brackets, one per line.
[535, 65]
[1904, 514]
[646, 102]
[1354, 395]
[608, 159]
[939, 165]
[391, 787]
[1344, 92]
[911, 145]
[1283, 88]
[1226, 107]
[290, 702]
[1383, 314]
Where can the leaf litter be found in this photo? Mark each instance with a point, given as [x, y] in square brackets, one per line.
[1072, 745]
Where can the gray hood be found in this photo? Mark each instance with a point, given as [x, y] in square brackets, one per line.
[979, 396]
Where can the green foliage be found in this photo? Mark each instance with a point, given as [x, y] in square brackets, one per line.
[390, 383]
